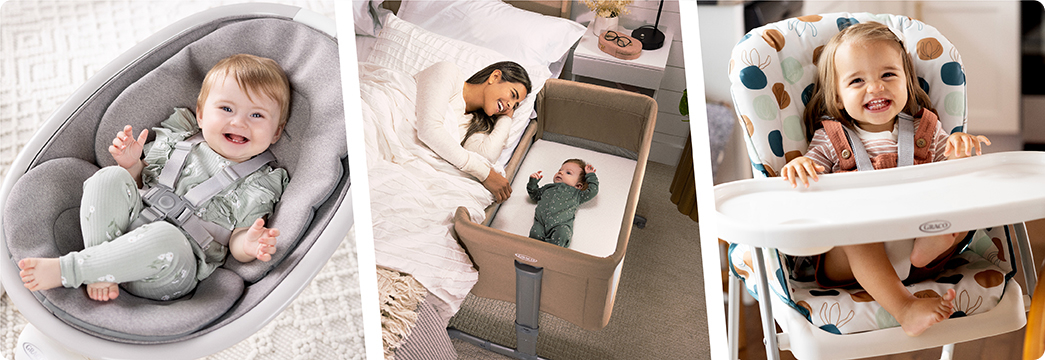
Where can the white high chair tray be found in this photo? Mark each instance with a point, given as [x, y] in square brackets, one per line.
[900, 203]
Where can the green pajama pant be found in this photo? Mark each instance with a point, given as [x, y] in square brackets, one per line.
[154, 261]
[558, 234]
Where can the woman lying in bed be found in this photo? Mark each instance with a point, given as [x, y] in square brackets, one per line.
[466, 122]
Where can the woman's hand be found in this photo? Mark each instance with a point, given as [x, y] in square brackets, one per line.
[125, 149]
[498, 186]
[960, 145]
[801, 168]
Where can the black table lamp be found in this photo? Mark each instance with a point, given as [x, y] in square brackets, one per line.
[650, 37]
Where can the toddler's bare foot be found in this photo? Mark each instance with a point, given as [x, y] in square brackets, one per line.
[927, 249]
[40, 274]
[920, 314]
[103, 291]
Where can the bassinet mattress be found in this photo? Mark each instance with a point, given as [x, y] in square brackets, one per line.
[597, 226]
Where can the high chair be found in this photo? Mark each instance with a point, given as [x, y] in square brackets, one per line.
[772, 70]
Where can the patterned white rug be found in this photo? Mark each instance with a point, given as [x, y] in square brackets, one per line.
[48, 49]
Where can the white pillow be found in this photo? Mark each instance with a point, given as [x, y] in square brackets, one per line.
[409, 48]
[521, 35]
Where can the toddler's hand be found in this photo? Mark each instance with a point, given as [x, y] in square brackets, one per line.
[801, 168]
[261, 241]
[536, 175]
[127, 150]
[960, 145]
[589, 168]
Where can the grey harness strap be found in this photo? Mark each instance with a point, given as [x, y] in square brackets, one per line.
[904, 145]
[162, 203]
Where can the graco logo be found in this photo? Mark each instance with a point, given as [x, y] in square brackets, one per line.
[935, 226]
[525, 258]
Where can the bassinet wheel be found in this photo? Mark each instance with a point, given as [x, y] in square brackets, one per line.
[640, 222]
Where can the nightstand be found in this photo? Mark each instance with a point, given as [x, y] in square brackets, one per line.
[644, 72]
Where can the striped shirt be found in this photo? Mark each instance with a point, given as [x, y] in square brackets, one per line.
[876, 143]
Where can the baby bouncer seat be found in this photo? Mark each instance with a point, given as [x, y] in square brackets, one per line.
[41, 195]
[772, 70]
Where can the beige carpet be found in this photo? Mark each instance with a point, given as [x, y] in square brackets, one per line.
[659, 312]
[48, 49]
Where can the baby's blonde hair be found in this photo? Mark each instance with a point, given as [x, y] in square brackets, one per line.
[825, 90]
[252, 73]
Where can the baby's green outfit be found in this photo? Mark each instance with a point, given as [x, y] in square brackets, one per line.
[557, 205]
[157, 260]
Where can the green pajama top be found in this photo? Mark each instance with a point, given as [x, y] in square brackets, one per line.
[557, 203]
[236, 206]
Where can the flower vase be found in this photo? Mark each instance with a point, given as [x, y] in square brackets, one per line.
[601, 24]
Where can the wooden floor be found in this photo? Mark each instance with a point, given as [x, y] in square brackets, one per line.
[1002, 347]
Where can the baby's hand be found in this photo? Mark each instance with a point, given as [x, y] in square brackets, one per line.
[126, 150]
[261, 241]
[589, 168]
[536, 175]
[801, 168]
[960, 141]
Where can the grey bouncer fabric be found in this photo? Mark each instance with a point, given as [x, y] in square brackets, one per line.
[40, 216]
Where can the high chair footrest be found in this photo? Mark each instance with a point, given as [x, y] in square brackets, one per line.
[806, 341]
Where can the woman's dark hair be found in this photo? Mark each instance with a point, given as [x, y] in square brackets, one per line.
[511, 72]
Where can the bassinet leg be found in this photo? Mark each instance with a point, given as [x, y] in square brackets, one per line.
[527, 314]
[527, 308]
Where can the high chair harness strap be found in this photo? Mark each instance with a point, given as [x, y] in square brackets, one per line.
[912, 147]
[162, 203]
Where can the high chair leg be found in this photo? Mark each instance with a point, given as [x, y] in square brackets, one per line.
[948, 352]
[735, 306]
[1026, 257]
[765, 308]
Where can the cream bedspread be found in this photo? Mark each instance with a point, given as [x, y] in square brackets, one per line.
[414, 192]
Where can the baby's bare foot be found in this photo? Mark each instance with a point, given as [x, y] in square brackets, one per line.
[927, 249]
[103, 291]
[920, 314]
[40, 274]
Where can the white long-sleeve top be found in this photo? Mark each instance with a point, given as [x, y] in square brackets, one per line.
[442, 122]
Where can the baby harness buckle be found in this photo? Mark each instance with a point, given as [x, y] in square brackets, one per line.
[162, 203]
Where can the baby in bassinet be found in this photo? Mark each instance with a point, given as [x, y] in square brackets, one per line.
[241, 110]
[574, 184]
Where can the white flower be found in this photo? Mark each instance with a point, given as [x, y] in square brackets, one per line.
[110, 278]
[79, 261]
[165, 297]
[91, 209]
[168, 256]
[63, 281]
